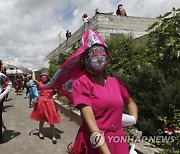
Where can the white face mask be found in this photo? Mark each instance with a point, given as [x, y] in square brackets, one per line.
[97, 60]
[98, 63]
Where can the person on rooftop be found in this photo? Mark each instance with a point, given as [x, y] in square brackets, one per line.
[85, 18]
[120, 11]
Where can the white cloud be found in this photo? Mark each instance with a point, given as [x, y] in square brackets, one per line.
[29, 28]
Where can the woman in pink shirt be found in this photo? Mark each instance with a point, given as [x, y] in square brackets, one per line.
[99, 98]
[101, 101]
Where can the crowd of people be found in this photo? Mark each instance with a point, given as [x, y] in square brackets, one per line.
[86, 18]
[120, 11]
[101, 99]
[44, 109]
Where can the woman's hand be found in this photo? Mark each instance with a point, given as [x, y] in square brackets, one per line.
[55, 96]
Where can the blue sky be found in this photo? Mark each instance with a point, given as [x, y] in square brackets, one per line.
[29, 28]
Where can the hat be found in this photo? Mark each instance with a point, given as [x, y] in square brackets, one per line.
[72, 69]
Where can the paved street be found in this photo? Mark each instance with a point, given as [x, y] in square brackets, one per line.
[21, 136]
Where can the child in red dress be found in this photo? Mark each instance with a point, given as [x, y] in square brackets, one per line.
[45, 109]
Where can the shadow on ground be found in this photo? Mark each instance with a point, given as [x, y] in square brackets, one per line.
[9, 135]
[47, 132]
[8, 107]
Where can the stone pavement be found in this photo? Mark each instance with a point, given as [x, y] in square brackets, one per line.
[21, 136]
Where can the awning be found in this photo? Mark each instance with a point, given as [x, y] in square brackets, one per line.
[14, 72]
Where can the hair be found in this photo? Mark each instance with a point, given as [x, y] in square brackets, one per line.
[84, 15]
[29, 76]
[120, 5]
[44, 74]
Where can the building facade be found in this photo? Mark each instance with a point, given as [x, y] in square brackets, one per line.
[106, 25]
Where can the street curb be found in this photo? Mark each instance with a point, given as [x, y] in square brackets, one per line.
[71, 114]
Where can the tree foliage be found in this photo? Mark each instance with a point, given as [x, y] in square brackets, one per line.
[164, 50]
[164, 42]
[125, 55]
[128, 61]
[55, 63]
[53, 66]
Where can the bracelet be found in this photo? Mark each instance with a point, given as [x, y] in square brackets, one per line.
[97, 139]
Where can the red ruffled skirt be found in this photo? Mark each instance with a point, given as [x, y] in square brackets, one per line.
[45, 111]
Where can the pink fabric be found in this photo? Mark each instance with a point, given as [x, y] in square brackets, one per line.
[90, 38]
[107, 103]
[71, 69]
[46, 109]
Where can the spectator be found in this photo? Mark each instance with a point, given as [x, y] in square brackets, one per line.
[5, 87]
[85, 18]
[32, 92]
[18, 85]
[68, 34]
[120, 11]
[96, 11]
[3, 70]
[26, 86]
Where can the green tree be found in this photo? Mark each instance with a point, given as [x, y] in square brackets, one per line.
[126, 56]
[55, 63]
[128, 61]
[164, 52]
[164, 42]
[53, 66]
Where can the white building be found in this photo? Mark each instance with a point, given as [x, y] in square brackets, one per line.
[106, 25]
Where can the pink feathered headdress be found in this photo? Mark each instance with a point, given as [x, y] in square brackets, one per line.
[71, 69]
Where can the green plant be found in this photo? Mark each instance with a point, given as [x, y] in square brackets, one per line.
[164, 42]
